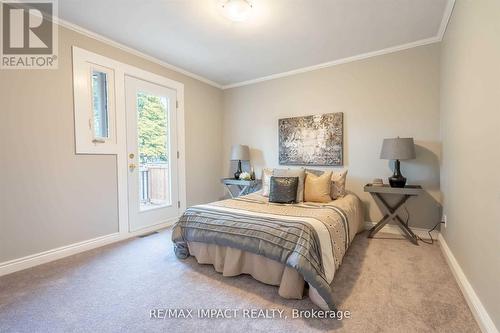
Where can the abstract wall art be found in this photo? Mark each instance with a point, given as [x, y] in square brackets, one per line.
[311, 140]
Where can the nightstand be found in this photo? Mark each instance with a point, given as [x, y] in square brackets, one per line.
[244, 186]
[391, 212]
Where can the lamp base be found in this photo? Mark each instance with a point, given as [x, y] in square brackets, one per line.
[239, 171]
[397, 181]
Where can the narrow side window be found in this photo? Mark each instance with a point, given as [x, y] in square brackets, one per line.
[94, 103]
[100, 105]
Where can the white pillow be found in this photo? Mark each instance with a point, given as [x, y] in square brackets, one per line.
[266, 181]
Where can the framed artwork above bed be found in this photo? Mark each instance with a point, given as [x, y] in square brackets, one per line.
[311, 140]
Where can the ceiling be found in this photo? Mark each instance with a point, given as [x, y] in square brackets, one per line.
[280, 36]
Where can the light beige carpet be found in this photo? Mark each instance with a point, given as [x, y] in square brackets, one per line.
[388, 284]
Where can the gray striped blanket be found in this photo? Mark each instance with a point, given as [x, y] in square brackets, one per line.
[311, 238]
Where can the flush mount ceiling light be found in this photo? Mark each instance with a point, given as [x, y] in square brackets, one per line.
[237, 10]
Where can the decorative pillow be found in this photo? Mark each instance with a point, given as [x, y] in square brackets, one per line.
[301, 173]
[283, 189]
[317, 188]
[337, 189]
[315, 172]
[266, 181]
[338, 184]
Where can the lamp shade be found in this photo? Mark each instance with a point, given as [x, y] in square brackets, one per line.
[240, 153]
[398, 149]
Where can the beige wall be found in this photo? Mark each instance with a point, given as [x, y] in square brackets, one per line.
[470, 121]
[385, 96]
[51, 197]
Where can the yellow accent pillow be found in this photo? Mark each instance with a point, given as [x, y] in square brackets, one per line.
[317, 188]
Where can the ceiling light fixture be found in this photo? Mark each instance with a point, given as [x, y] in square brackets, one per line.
[237, 10]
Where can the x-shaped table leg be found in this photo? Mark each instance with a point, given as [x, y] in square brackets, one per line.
[242, 189]
[392, 214]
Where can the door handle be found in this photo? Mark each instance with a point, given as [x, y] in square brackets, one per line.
[132, 166]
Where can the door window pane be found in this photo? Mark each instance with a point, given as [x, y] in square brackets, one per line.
[100, 104]
[153, 148]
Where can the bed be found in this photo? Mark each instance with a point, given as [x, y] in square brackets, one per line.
[287, 245]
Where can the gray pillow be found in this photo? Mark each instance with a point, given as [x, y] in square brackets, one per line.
[283, 189]
[301, 173]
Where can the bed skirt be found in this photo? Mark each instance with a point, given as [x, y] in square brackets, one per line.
[232, 262]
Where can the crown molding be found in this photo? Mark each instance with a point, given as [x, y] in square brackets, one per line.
[446, 19]
[133, 51]
[436, 39]
[335, 62]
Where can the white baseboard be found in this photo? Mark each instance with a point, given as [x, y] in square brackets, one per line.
[36, 259]
[480, 314]
[394, 229]
[482, 317]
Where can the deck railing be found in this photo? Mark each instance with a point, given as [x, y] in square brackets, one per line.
[154, 185]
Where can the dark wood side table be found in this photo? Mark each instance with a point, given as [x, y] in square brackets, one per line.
[391, 212]
[244, 186]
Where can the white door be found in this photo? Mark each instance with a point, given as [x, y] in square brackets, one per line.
[153, 186]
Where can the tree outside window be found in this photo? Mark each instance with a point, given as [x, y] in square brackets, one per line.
[152, 128]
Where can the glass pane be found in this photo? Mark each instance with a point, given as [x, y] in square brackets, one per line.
[153, 149]
[100, 104]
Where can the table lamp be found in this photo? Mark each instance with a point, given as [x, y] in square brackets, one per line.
[239, 153]
[398, 149]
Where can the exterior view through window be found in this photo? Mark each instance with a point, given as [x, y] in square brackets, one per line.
[153, 148]
[100, 105]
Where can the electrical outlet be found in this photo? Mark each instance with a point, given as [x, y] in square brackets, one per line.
[444, 219]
